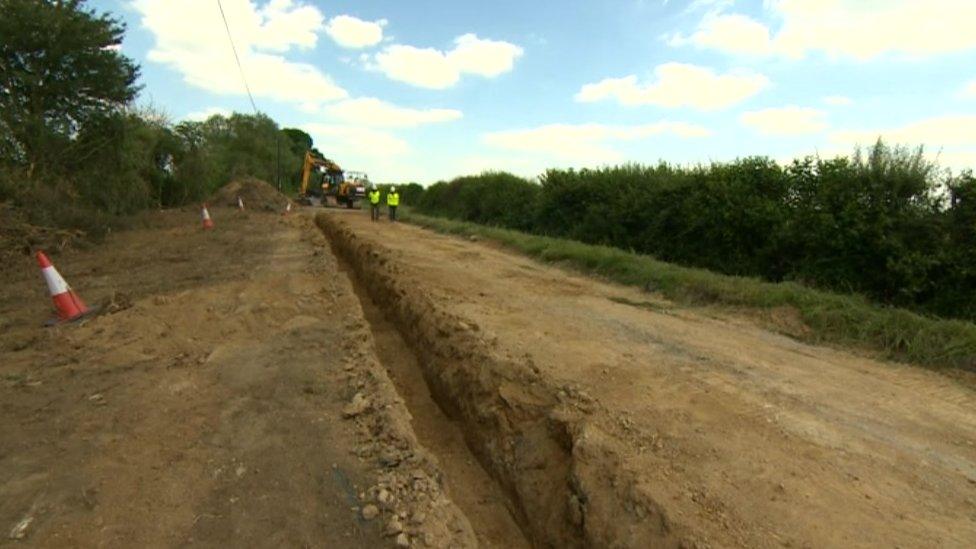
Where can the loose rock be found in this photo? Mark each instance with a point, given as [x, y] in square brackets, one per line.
[390, 458]
[358, 405]
[20, 530]
[394, 526]
[370, 512]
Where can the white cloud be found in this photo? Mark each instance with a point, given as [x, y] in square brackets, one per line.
[585, 144]
[379, 153]
[788, 120]
[355, 139]
[732, 33]
[488, 58]
[436, 69]
[423, 67]
[860, 29]
[526, 166]
[956, 160]
[939, 131]
[838, 101]
[374, 112]
[864, 30]
[199, 116]
[969, 90]
[351, 32]
[950, 139]
[189, 38]
[678, 85]
[355, 145]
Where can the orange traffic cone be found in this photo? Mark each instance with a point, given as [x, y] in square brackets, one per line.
[207, 222]
[67, 302]
[240, 203]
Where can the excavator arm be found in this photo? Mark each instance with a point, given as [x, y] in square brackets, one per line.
[306, 173]
[311, 162]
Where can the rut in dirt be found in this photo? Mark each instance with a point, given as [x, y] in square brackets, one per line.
[470, 487]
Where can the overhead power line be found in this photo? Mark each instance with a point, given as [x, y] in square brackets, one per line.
[251, 97]
[236, 58]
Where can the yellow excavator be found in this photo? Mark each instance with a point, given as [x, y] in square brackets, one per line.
[335, 190]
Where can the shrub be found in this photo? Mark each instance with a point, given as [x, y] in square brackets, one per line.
[877, 223]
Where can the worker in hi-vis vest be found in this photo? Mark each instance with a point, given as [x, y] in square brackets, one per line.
[374, 204]
[392, 201]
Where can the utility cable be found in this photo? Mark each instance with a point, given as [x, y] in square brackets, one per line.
[236, 58]
[251, 97]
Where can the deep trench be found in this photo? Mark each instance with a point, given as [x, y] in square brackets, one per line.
[560, 476]
[469, 485]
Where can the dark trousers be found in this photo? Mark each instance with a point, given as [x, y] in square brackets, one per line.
[392, 212]
[374, 212]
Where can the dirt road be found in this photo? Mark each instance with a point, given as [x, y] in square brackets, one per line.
[213, 405]
[381, 385]
[612, 417]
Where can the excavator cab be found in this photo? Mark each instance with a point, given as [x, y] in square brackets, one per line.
[338, 188]
[319, 169]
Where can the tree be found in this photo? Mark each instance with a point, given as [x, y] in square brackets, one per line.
[59, 68]
[295, 142]
[298, 140]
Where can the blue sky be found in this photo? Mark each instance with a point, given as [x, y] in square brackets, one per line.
[430, 89]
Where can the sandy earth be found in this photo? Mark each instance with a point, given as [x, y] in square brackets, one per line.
[207, 407]
[380, 385]
[666, 425]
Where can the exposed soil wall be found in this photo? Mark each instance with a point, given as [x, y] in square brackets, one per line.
[561, 472]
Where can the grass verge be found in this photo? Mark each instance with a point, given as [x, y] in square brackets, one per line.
[846, 320]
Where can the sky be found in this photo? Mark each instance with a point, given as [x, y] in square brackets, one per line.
[425, 90]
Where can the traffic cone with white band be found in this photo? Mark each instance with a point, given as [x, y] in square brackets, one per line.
[207, 222]
[67, 302]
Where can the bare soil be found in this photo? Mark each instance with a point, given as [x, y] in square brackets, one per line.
[614, 418]
[263, 384]
[256, 194]
[467, 483]
[18, 236]
[211, 404]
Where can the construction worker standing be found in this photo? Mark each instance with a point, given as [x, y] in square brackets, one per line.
[392, 201]
[374, 204]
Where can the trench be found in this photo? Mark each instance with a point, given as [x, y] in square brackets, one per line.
[559, 476]
[467, 483]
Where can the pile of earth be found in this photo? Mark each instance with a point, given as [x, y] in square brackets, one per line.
[256, 194]
[19, 237]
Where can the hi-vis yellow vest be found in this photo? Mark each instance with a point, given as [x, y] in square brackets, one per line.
[393, 199]
[374, 197]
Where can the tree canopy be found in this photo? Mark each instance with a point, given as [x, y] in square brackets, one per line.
[60, 67]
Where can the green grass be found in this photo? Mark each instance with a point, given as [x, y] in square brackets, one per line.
[844, 320]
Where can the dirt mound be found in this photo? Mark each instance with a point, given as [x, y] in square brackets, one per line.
[19, 237]
[256, 194]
